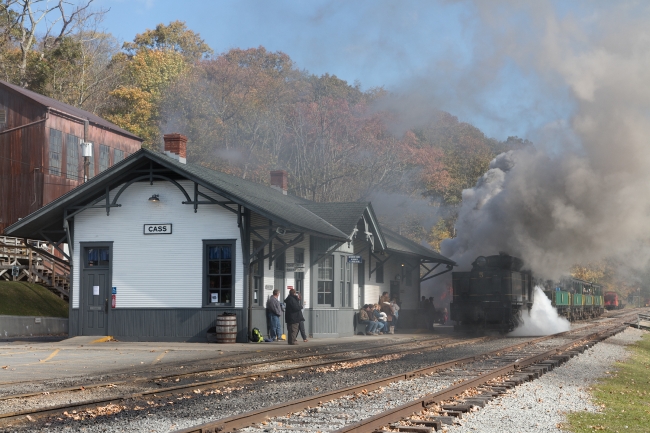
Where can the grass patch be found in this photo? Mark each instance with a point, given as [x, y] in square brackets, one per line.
[624, 397]
[18, 298]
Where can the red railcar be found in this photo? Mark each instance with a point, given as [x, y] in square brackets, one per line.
[611, 301]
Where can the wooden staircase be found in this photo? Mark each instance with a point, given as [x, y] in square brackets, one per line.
[36, 262]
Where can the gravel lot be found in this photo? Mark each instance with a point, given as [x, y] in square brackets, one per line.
[539, 406]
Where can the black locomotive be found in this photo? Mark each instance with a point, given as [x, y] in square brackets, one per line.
[492, 295]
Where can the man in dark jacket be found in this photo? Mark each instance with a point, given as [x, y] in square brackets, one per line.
[273, 312]
[293, 316]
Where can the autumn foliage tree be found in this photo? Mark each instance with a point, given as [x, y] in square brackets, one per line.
[249, 111]
[151, 63]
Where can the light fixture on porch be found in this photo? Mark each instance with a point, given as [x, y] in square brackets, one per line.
[154, 198]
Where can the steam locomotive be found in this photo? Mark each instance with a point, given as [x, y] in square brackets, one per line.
[496, 292]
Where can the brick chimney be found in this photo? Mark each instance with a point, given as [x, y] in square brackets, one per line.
[279, 181]
[176, 146]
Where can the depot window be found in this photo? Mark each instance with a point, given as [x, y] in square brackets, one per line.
[219, 273]
[325, 294]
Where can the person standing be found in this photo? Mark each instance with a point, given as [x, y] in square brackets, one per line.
[301, 325]
[387, 309]
[273, 312]
[293, 316]
[393, 303]
[431, 314]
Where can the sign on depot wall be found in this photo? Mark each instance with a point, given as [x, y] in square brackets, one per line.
[157, 229]
[355, 259]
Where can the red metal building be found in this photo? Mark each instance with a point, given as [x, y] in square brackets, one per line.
[40, 149]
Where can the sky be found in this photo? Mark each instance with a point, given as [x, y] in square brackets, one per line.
[426, 49]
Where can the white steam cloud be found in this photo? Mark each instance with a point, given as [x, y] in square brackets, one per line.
[542, 319]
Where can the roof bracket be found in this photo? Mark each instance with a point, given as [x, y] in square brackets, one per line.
[379, 263]
[208, 200]
[424, 278]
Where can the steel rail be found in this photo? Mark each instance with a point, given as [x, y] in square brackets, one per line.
[247, 419]
[208, 384]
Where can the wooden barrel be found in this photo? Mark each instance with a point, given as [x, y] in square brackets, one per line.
[226, 329]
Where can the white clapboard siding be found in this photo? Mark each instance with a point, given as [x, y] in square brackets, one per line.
[372, 293]
[157, 271]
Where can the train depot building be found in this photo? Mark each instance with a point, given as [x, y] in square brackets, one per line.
[160, 247]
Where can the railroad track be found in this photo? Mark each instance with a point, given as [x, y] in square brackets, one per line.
[168, 385]
[476, 379]
[240, 360]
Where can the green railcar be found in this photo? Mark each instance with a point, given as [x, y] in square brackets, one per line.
[576, 299]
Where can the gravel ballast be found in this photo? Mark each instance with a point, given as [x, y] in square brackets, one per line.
[542, 409]
[541, 405]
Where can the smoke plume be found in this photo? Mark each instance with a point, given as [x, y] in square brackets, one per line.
[583, 193]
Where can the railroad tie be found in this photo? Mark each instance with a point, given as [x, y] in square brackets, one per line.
[499, 389]
[519, 378]
[561, 359]
[412, 428]
[549, 364]
[428, 422]
[449, 420]
[505, 385]
[457, 407]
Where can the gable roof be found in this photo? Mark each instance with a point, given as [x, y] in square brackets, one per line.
[68, 109]
[398, 243]
[346, 215]
[261, 199]
[330, 220]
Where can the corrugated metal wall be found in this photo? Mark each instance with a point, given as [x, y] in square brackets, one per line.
[21, 159]
[25, 182]
[157, 271]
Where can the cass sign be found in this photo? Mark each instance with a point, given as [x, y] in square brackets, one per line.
[157, 229]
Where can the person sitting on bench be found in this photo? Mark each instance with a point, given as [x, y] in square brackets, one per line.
[364, 320]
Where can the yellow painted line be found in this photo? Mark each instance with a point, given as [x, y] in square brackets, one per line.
[52, 355]
[161, 356]
[102, 340]
[21, 353]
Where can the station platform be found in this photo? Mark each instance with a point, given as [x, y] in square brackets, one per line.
[32, 359]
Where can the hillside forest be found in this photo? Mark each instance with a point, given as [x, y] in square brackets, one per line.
[248, 111]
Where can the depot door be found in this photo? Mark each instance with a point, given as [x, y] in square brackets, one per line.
[95, 288]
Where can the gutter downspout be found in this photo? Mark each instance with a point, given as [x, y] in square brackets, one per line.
[86, 158]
